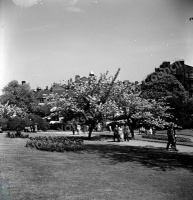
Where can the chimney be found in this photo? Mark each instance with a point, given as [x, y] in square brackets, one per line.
[23, 82]
[77, 78]
[91, 73]
[46, 88]
[181, 62]
[38, 89]
[165, 64]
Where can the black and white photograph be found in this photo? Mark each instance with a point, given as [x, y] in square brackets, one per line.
[96, 99]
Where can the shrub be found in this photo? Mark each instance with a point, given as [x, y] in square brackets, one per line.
[41, 123]
[165, 137]
[3, 123]
[16, 123]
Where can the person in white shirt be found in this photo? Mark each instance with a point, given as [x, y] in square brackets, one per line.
[121, 133]
[78, 129]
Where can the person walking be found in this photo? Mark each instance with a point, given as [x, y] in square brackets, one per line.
[171, 133]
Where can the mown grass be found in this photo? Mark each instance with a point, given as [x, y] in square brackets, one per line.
[104, 171]
[184, 132]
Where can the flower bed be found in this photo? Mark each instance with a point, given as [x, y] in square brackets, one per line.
[58, 144]
[164, 137]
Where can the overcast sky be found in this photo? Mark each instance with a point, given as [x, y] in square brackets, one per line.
[46, 41]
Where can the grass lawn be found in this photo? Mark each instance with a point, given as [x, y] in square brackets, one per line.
[104, 171]
[184, 132]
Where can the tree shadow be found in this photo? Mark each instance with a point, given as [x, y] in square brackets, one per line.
[151, 157]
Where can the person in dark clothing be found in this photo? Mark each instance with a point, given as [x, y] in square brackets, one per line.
[171, 133]
[116, 133]
[126, 132]
[1, 129]
[131, 128]
[74, 127]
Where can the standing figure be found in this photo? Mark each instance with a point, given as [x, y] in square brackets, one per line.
[141, 130]
[121, 134]
[84, 129]
[32, 127]
[74, 127]
[150, 131]
[35, 128]
[78, 129]
[171, 137]
[131, 128]
[110, 129]
[126, 132]
[154, 130]
[116, 134]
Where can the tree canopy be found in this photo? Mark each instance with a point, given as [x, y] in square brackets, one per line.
[17, 94]
[167, 86]
[95, 101]
[8, 112]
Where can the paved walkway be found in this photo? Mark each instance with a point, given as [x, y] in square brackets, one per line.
[149, 144]
[181, 148]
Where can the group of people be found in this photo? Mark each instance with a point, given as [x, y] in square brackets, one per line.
[76, 128]
[150, 131]
[121, 133]
[31, 128]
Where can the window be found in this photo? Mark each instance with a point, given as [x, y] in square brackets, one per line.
[191, 75]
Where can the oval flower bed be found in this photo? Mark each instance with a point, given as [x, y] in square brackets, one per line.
[58, 144]
[164, 137]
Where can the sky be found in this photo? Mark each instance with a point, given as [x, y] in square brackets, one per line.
[47, 41]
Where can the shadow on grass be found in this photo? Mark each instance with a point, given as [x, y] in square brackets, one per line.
[151, 157]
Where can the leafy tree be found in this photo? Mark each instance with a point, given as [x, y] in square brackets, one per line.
[8, 112]
[174, 92]
[42, 124]
[167, 86]
[140, 110]
[182, 111]
[20, 95]
[42, 110]
[16, 123]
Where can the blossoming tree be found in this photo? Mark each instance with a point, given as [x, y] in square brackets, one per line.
[8, 112]
[95, 101]
[91, 101]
